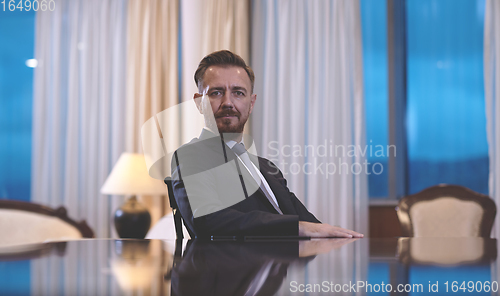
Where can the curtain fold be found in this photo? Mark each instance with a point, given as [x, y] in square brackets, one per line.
[152, 74]
[225, 25]
[78, 110]
[208, 26]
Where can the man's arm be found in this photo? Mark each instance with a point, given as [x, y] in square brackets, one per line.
[309, 225]
[274, 172]
[231, 221]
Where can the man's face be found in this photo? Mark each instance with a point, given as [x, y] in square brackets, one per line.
[229, 92]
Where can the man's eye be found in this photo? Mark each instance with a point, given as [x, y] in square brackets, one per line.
[239, 93]
[215, 93]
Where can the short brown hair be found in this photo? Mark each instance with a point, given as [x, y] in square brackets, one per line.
[221, 58]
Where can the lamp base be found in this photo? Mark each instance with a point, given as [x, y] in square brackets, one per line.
[132, 219]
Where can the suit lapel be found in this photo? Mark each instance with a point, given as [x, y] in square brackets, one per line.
[262, 195]
[276, 186]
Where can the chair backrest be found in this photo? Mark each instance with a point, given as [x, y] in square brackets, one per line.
[446, 211]
[175, 211]
[26, 223]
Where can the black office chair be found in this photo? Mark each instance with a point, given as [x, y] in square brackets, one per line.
[178, 227]
[175, 210]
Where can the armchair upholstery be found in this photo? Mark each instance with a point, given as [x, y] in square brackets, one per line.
[30, 223]
[446, 211]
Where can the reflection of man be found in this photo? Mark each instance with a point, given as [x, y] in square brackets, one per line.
[249, 268]
[232, 268]
[211, 198]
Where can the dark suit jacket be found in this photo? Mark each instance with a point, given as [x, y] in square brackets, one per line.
[252, 215]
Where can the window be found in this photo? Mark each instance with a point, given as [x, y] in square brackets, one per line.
[374, 29]
[446, 117]
[444, 120]
[17, 31]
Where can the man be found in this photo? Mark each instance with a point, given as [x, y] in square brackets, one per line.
[222, 190]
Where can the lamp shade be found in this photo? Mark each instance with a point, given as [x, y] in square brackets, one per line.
[130, 177]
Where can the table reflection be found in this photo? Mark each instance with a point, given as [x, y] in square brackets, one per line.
[233, 268]
[243, 268]
[134, 265]
[446, 266]
[153, 267]
[447, 251]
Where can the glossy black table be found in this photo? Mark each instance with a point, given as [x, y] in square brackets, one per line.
[404, 266]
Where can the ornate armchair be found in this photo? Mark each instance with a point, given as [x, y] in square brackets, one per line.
[30, 223]
[446, 211]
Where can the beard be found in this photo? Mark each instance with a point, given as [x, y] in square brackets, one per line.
[234, 124]
[226, 125]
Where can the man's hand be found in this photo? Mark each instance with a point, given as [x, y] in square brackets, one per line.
[324, 230]
[315, 247]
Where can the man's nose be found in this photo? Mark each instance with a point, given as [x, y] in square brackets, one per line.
[227, 101]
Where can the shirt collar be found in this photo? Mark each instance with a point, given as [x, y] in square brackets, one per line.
[231, 143]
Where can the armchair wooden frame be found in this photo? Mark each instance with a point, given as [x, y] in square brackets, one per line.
[60, 213]
[445, 190]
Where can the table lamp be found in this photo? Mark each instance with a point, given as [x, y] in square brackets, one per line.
[129, 177]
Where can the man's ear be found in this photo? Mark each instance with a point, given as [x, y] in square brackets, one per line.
[253, 97]
[197, 100]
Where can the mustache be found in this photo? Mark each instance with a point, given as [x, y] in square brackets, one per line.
[227, 113]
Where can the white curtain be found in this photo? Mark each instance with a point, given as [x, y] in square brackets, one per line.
[307, 60]
[340, 265]
[78, 121]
